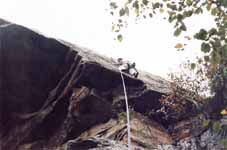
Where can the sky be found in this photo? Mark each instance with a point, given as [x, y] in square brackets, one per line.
[149, 43]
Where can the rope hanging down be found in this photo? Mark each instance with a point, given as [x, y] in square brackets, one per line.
[127, 112]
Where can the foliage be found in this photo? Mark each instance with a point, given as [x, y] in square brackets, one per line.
[205, 123]
[217, 126]
[224, 143]
[192, 78]
[213, 41]
[189, 85]
[123, 116]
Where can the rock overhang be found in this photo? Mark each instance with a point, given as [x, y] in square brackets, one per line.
[41, 75]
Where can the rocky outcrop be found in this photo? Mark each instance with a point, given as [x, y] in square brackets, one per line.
[55, 95]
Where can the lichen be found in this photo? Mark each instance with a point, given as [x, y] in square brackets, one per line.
[224, 143]
[205, 123]
[122, 116]
[217, 126]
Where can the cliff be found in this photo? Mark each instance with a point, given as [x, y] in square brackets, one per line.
[56, 95]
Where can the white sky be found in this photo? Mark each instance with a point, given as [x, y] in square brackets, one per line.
[149, 43]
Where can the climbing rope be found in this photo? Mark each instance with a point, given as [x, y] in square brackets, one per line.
[127, 112]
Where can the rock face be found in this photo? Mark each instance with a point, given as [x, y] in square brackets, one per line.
[55, 95]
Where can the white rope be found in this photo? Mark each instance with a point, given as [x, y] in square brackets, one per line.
[127, 112]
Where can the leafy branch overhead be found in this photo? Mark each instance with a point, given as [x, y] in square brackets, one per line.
[213, 41]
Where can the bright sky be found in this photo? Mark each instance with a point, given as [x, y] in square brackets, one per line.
[149, 43]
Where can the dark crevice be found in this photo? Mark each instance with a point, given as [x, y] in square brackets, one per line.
[51, 123]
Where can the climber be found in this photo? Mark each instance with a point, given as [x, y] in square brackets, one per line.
[127, 67]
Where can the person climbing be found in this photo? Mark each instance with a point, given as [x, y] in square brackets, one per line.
[127, 67]
[132, 70]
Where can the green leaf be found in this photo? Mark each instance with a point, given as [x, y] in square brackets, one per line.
[120, 37]
[150, 15]
[145, 2]
[189, 2]
[202, 35]
[173, 7]
[205, 47]
[172, 18]
[113, 5]
[122, 12]
[212, 31]
[215, 58]
[214, 11]
[183, 27]
[223, 3]
[112, 28]
[216, 44]
[137, 12]
[129, 1]
[135, 5]
[198, 11]
[187, 13]
[180, 8]
[177, 32]
[193, 65]
[127, 11]
[156, 5]
[180, 17]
